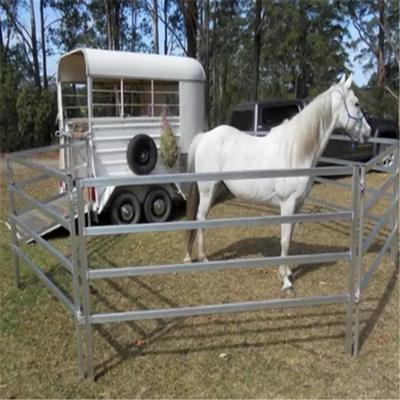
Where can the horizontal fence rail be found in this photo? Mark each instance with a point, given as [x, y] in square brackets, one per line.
[42, 207]
[36, 166]
[218, 308]
[348, 186]
[44, 201]
[378, 259]
[59, 256]
[383, 221]
[53, 288]
[380, 192]
[212, 176]
[29, 181]
[42, 150]
[215, 223]
[376, 160]
[217, 265]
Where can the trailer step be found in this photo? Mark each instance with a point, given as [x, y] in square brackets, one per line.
[40, 223]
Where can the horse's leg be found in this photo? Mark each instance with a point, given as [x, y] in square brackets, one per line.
[297, 209]
[192, 206]
[207, 192]
[287, 208]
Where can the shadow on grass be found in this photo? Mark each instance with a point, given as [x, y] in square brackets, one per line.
[378, 310]
[163, 332]
[270, 247]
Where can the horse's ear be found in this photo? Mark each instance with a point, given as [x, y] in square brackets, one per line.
[349, 81]
[342, 79]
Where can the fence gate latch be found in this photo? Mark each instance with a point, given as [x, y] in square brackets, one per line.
[362, 185]
[357, 296]
[73, 198]
[80, 318]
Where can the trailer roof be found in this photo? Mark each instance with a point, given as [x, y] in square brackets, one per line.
[76, 65]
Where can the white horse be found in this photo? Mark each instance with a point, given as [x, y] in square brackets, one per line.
[297, 143]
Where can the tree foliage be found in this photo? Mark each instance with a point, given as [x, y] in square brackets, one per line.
[249, 50]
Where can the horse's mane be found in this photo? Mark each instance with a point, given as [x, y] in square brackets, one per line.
[302, 131]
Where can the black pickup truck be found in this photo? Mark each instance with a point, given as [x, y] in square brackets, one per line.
[258, 118]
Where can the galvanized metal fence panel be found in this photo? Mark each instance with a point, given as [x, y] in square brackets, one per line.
[79, 265]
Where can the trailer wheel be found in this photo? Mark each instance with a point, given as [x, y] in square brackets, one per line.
[125, 209]
[157, 205]
[141, 154]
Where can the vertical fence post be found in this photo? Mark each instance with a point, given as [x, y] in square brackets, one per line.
[353, 260]
[13, 226]
[75, 272]
[395, 245]
[85, 283]
[359, 261]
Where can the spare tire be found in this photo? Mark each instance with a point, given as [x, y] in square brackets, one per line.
[141, 154]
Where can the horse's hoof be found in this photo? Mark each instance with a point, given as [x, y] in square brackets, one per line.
[289, 291]
[187, 260]
[204, 259]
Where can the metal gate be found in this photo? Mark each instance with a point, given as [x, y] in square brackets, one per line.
[81, 272]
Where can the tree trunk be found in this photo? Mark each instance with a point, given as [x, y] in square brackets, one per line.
[35, 54]
[133, 25]
[381, 44]
[206, 32]
[256, 52]
[43, 36]
[109, 27]
[191, 27]
[156, 48]
[222, 108]
[2, 53]
[116, 24]
[165, 27]
[214, 73]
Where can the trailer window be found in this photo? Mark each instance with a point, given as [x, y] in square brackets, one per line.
[106, 99]
[141, 98]
[137, 98]
[166, 98]
[151, 98]
[74, 100]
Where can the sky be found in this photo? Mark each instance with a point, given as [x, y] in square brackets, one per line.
[359, 77]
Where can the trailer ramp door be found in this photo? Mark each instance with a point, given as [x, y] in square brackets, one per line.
[40, 223]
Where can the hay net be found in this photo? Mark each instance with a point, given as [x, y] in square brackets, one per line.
[168, 145]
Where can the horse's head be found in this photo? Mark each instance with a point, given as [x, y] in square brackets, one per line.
[351, 119]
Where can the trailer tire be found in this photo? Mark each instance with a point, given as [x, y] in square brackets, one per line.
[141, 154]
[157, 205]
[125, 209]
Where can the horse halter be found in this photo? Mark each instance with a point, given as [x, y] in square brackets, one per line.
[349, 117]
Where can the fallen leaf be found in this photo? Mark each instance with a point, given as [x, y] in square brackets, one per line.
[144, 389]
[323, 283]
[140, 342]
[379, 339]
[223, 355]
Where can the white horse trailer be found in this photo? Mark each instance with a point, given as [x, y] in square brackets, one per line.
[111, 108]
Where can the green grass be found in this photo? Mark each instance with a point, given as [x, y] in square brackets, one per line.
[293, 353]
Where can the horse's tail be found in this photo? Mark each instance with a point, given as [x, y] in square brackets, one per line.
[193, 198]
[192, 151]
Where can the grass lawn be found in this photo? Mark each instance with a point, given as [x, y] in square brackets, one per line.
[292, 353]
